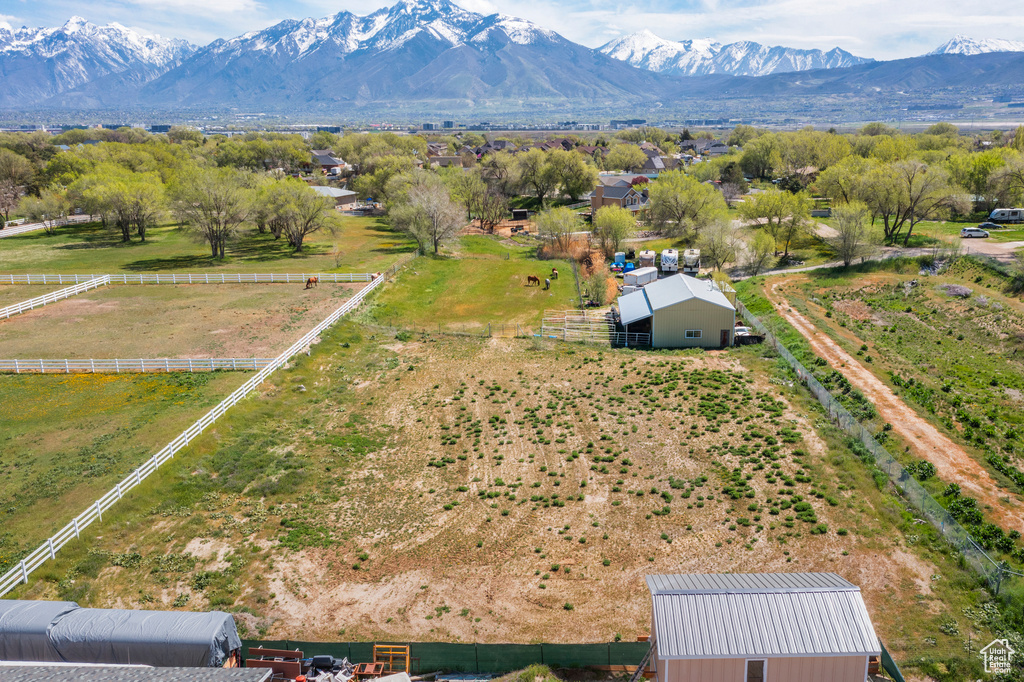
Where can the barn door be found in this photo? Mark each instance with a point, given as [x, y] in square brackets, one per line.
[755, 671]
[725, 337]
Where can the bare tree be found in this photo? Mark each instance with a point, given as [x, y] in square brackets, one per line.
[15, 173]
[426, 212]
[493, 209]
[558, 225]
[718, 244]
[853, 238]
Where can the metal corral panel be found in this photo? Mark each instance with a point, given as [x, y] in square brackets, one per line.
[770, 623]
[633, 307]
[746, 582]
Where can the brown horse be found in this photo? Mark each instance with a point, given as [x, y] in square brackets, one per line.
[532, 279]
[554, 273]
[312, 282]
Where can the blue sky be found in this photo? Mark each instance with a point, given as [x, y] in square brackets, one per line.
[883, 29]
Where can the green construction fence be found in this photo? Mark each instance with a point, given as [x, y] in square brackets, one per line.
[474, 658]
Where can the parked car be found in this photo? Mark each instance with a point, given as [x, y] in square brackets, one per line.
[987, 225]
[742, 331]
[973, 232]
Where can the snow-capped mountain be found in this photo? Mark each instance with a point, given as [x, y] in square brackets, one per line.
[645, 50]
[37, 63]
[414, 51]
[968, 46]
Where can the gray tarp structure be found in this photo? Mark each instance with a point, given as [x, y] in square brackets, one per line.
[25, 629]
[77, 635]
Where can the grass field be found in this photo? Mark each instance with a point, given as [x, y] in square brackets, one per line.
[365, 245]
[16, 293]
[155, 321]
[953, 355]
[438, 488]
[65, 440]
[481, 280]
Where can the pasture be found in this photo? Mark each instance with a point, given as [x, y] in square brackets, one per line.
[426, 487]
[480, 280]
[64, 440]
[362, 245]
[186, 321]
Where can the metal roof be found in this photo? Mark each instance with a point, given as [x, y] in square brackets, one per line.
[332, 192]
[679, 288]
[633, 307]
[768, 615]
[745, 582]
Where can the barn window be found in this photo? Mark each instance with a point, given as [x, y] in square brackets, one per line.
[755, 670]
[693, 333]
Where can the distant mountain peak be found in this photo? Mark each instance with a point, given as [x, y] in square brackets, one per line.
[961, 44]
[646, 50]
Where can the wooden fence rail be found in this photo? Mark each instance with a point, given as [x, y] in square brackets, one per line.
[132, 365]
[49, 548]
[193, 278]
[54, 296]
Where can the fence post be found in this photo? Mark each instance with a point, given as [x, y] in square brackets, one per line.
[117, 366]
[24, 572]
[167, 365]
[92, 365]
[67, 369]
[190, 365]
[17, 370]
[49, 545]
[99, 511]
[74, 522]
[41, 370]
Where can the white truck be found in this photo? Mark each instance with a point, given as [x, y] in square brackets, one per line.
[1007, 215]
[669, 260]
[640, 277]
[691, 262]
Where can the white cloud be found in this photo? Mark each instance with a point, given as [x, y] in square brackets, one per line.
[5, 21]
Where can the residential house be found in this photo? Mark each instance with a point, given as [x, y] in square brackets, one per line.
[624, 196]
[341, 197]
[327, 162]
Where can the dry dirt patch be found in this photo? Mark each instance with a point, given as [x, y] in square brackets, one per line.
[197, 321]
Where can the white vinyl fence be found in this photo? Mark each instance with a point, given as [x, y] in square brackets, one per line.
[54, 296]
[48, 549]
[16, 227]
[133, 365]
[194, 278]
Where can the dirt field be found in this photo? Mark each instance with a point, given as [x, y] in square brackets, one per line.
[951, 461]
[432, 488]
[197, 321]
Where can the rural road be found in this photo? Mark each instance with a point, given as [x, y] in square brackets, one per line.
[951, 462]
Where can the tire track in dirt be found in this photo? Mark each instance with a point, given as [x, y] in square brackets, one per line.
[952, 463]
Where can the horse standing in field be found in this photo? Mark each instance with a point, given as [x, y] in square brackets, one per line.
[532, 279]
[312, 282]
[554, 273]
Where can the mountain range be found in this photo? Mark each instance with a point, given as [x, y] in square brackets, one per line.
[647, 51]
[432, 55]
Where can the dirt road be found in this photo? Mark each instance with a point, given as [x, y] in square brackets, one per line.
[952, 463]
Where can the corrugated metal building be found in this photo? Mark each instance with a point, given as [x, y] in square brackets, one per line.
[681, 312]
[797, 627]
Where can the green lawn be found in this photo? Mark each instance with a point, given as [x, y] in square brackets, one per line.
[482, 281]
[67, 439]
[365, 245]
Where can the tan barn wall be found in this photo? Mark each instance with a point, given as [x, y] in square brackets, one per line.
[668, 330]
[810, 669]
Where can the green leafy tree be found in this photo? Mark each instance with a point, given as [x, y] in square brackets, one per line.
[626, 157]
[573, 174]
[421, 206]
[537, 174]
[612, 226]
[760, 252]
[762, 156]
[783, 215]
[213, 204]
[681, 206]
[853, 235]
[557, 225]
[717, 244]
[51, 208]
